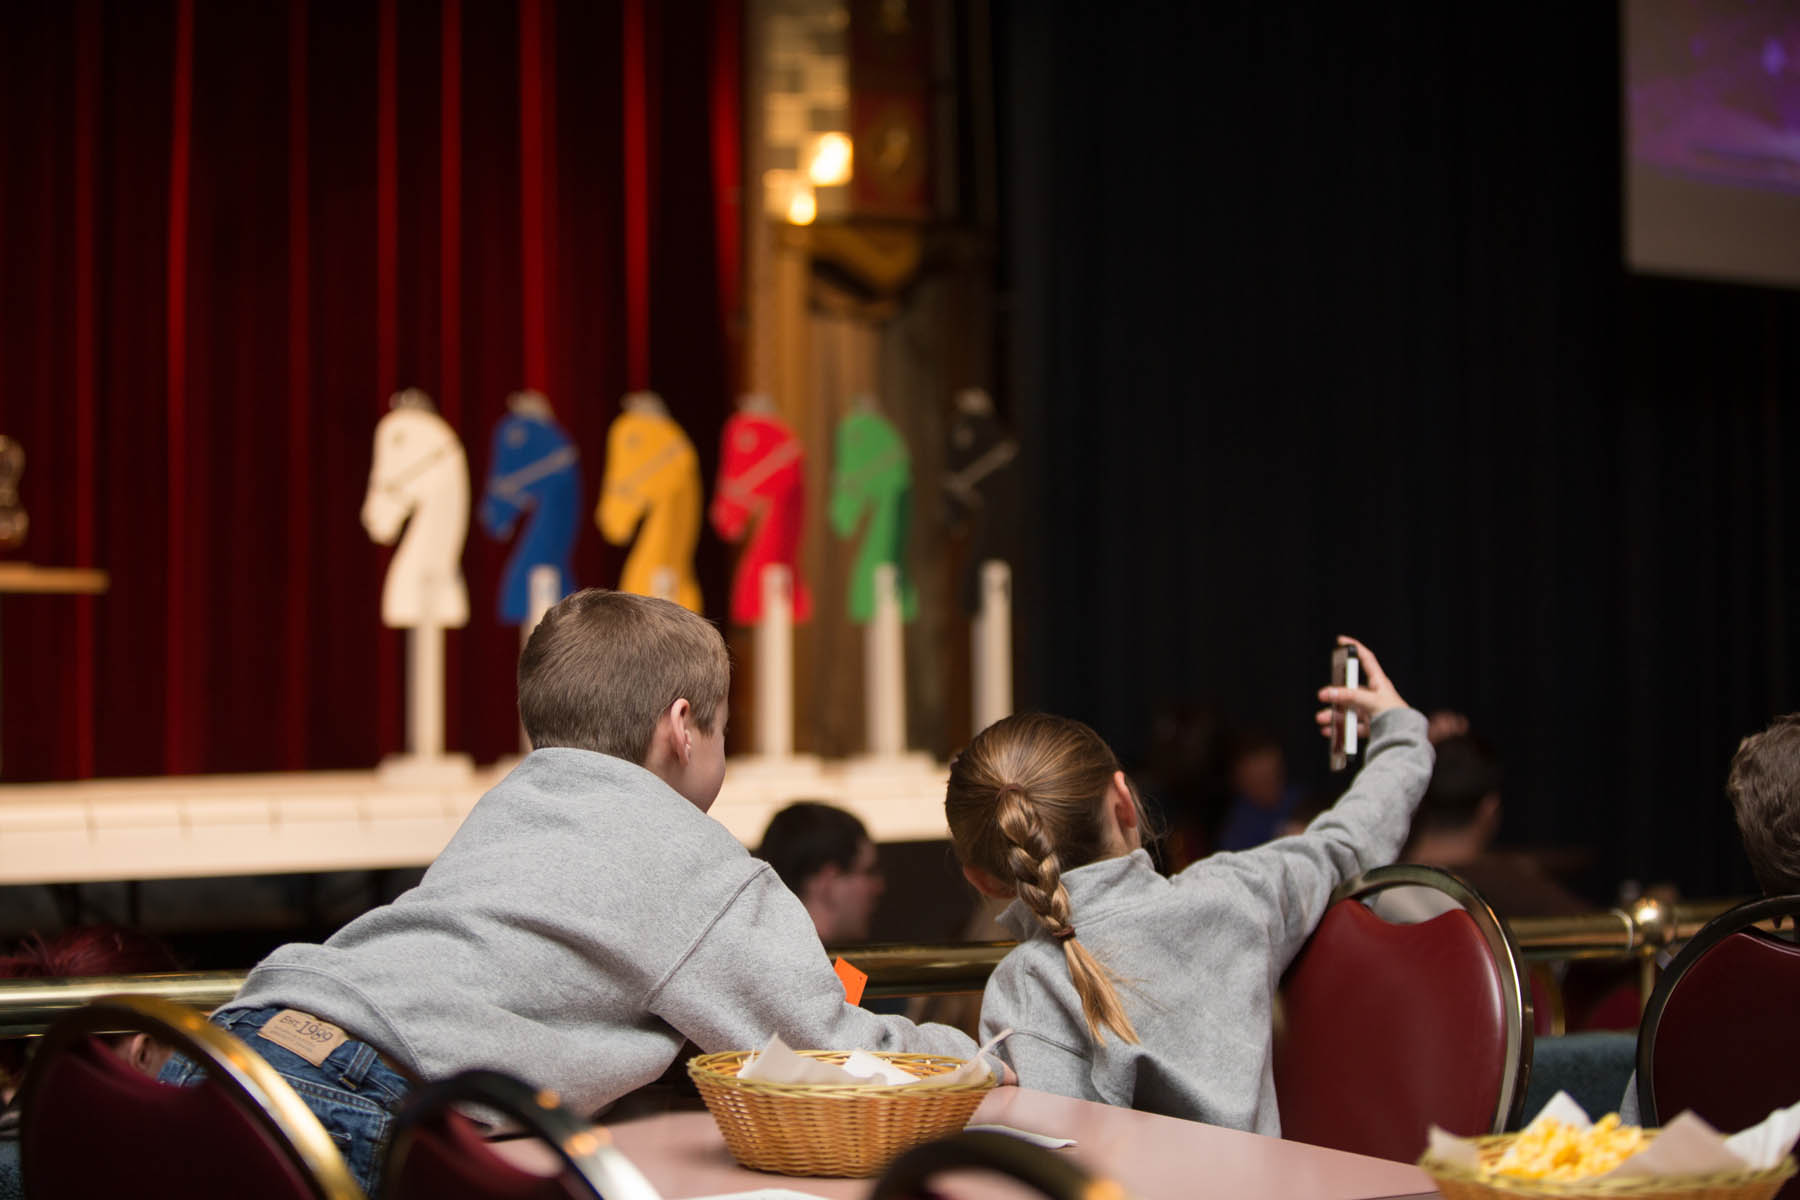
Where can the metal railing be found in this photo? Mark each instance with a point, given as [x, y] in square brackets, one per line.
[1618, 933]
[28, 1006]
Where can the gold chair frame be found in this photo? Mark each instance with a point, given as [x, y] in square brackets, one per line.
[1747, 917]
[584, 1149]
[246, 1077]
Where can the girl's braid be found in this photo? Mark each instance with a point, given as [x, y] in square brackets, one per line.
[1032, 858]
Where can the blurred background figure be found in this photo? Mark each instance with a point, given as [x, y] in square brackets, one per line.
[1264, 805]
[826, 858]
[1183, 780]
[1457, 822]
[1580, 1048]
[1461, 811]
[81, 951]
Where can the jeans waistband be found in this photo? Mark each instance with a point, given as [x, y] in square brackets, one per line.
[364, 1056]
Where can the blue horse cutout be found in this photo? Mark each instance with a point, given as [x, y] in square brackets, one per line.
[534, 468]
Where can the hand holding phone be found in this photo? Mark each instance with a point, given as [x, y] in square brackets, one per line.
[1360, 691]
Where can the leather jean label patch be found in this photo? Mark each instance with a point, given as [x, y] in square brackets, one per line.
[304, 1034]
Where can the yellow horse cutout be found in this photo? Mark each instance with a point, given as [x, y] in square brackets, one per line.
[652, 488]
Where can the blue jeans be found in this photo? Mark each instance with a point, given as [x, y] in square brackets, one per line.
[353, 1092]
[12, 1187]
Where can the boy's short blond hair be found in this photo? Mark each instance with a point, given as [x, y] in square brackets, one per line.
[602, 667]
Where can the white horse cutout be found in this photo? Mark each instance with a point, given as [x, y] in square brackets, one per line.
[421, 473]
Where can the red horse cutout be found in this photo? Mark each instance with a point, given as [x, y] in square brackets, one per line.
[762, 481]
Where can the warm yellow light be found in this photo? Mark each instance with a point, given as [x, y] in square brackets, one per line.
[802, 207]
[831, 160]
[778, 191]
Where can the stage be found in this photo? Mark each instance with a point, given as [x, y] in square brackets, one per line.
[210, 825]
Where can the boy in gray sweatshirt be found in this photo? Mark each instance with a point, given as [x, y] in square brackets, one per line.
[586, 920]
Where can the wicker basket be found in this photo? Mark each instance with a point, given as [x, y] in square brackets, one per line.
[1464, 1183]
[847, 1130]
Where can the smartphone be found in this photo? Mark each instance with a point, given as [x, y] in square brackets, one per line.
[1346, 671]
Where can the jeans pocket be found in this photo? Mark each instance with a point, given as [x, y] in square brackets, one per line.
[358, 1127]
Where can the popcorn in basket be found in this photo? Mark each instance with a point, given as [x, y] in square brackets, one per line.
[1561, 1153]
[834, 1112]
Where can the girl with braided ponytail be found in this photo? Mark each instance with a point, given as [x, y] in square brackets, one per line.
[1144, 991]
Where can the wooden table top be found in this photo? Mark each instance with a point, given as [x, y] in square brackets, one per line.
[1153, 1157]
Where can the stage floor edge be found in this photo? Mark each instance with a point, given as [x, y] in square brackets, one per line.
[187, 826]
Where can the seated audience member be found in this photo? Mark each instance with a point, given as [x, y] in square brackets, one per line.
[74, 953]
[825, 857]
[1183, 782]
[1263, 802]
[1763, 786]
[1455, 828]
[81, 952]
[1135, 989]
[586, 920]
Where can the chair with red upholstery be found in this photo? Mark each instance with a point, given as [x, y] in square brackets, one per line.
[1719, 1035]
[92, 1125]
[1384, 1029]
[440, 1154]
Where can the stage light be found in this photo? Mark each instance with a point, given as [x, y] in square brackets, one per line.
[830, 160]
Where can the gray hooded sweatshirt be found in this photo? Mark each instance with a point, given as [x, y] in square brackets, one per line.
[1199, 956]
[582, 924]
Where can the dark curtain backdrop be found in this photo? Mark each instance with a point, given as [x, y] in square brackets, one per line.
[1317, 324]
[228, 232]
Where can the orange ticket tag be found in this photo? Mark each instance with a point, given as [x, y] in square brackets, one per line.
[852, 979]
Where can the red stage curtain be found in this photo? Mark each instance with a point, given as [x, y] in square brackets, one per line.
[227, 233]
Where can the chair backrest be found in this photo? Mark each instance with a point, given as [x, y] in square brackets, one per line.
[1719, 1035]
[1386, 1029]
[92, 1125]
[439, 1154]
[1043, 1171]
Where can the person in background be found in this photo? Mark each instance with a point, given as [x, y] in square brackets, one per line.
[1184, 782]
[74, 953]
[826, 858]
[1455, 828]
[1578, 1049]
[1263, 802]
[1763, 786]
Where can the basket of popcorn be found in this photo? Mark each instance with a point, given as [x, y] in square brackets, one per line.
[834, 1112]
[1560, 1153]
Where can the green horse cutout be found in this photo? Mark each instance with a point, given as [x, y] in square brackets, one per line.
[872, 473]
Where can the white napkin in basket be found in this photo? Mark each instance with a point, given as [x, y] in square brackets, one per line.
[777, 1063]
[1685, 1146]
